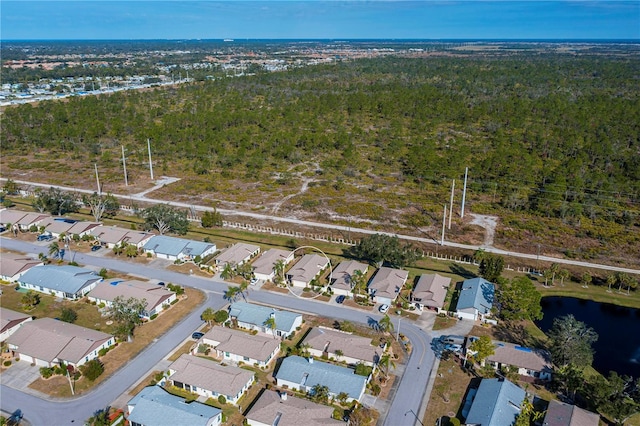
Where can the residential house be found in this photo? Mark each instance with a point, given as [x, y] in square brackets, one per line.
[273, 408]
[386, 284]
[57, 226]
[303, 374]
[157, 297]
[563, 414]
[68, 282]
[13, 266]
[308, 268]
[264, 266]
[535, 363]
[47, 341]
[238, 346]
[237, 254]
[256, 317]
[497, 402]
[210, 379]
[476, 299]
[341, 276]
[172, 248]
[21, 220]
[430, 291]
[154, 406]
[10, 322]
[112, 236]
[353, 349]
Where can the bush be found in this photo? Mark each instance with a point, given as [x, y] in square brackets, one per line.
[103, 273]
[7, 363]
[46, 372]
[92, 369]
[453, 421]
[363, 370]
[68, 315]
[103, 351]
[221, 316]
[154, 316]
[375, 389]
[222, 400]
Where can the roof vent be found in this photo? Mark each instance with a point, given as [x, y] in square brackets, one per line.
[310, 360]
[283, 396]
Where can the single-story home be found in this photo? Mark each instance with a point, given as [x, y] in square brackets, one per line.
[155, 406]
[273, 408]
[430, 291]
[341, 276]
[112, 236]
[238, 346]
[264, 266]
[68, 282]
[476, 299]
[47, 341]
[303, 374]
[210, 379]
[172, 248]
[255, 317]
[308, 268]
[237, 254]
[563, 414]
[156, 297]
[22, 220]
[325, 342]
[13, 266]
[10, 322]
[530, 362]
[497, 402]
[57, 226]
[386, 284]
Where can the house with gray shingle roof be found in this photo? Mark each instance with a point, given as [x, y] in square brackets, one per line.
[238, 346]
[497, 402]
[172, 248]
[154, 406]
[68, 282]
[10, 321]
[430, 291]
[308, 268]
[263, 267]
[530, 362]
[237, 254]
[210, 379]
[563, 414]
[156, 297]
[386, 284]
[303, 374]
[286, 410]
[341, 276]
[255, 317]
[111, 236]
[22, 220]
[476, 299]
[47, 341]
[57, 226]
[355, 349]
[13, 266]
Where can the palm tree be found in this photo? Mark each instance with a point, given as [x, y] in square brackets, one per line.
[338, 353]
[385, 325]
[357, 280]
[227, 272]
[342, 397]
[586, 280]
[320, 393]
[303, 350]
[243, 289]
[547, 275]
[563, 274]
[271, 324]
[385, 363]
[611, 280]
[208, 315]
[623, 279]
[554, 270]
[278, 272]
[231, 294]
[54, 249]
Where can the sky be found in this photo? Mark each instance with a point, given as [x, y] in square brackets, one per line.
[315, 19]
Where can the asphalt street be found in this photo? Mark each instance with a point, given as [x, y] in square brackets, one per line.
[408, 398]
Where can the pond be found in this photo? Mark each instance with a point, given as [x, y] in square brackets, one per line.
[618, 328]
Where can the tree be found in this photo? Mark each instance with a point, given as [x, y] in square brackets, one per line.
[165, 219]
[278, 272]
[339, 354]
[519, 299]
[130, 250]
[385, 325]
[491, 267]
[586, 279]
[54, 249]
[570, 342]
[357, 283]
[11, 187]
[92, 369]
[379, 248]
[563, 274]
[55, 202]
[221, 316]
[232, 293]
[570, 380]
[270, 323]
[320, 393]
[68, 315]
[343, 397]
[360, 416]
[127, 314]
[612, 279]
[554, 268]
[99, 418]
[228, 272]
[386, 363]
[101, 205]
[30, 300]
[612, 395]
[481, 348]
[211, 219]
[208, 315]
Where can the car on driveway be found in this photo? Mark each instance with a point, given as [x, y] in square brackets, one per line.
[340, 299]
[453, 348]
[96, 248]
[197, 335]
[45, 237]
[384, 308]
[253, 281]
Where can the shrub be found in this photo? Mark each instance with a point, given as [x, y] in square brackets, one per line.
[103, 273]
[154, 316]
[222, 399]
[363, 370]
[7, 363]
[375, 389]
[453, 421]
[46, 372]
[103, 351]
[68, 315]
[221, 316]
[92, 369]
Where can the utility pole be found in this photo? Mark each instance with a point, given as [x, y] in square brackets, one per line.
[453, 185]
[398, 330]
[150, 164]
[124, 166]
[97, 178]
[444, 222]
[464, 191]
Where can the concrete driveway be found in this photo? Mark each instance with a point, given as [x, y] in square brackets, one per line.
[20, 375]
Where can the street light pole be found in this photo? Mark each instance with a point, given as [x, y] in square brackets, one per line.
[414, 415]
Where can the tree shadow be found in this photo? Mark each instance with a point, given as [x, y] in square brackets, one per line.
[373, 323]
[463, 272]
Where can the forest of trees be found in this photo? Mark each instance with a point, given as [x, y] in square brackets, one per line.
[547, 135]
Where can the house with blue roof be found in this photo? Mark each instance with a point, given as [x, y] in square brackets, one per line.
[154, 406]
[476, 299]
[67, 282]
[172, 248]
[255, 317]
[497, 402]
[303, 374]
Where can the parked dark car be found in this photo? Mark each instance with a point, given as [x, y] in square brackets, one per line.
[340, 299]
[197, 335]
[96, 248]
[161, 283]
[45, 237]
